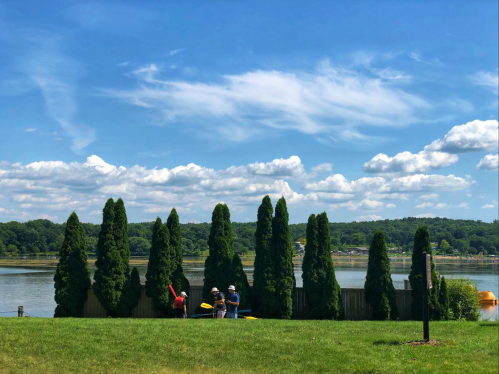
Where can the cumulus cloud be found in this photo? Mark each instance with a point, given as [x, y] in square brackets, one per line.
[369, 217]
[487, 206]
[489, 162]
[473, 136]
[431, 196]
[426, 215]
[240, 107]
[53, 187]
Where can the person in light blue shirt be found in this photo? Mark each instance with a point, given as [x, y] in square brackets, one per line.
[233, 303]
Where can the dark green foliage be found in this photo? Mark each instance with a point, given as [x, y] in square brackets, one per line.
[218, 264]
[131, 294]
[109, 276]
[178, 279]
[239, 279]
[311, 286]
[422, 244]
[263, 276]
[331, 301]
[285, 283]
[379, 290]
[443, 300]
[464, 300]
[223, 267]
[72, 276]
[159, 270]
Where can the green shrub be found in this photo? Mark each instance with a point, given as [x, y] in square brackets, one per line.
[464, 300]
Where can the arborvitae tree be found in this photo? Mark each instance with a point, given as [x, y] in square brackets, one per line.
[218, 264]
[443, 300]
[109, 276]
[131, 294]
[239, 279]
[120, 229]
[331, 301]
[379, 290]
[159, 270]
[72, 277]
[263, 275]
[422, 243]
[179, 281]
[285, 283]
[311, 285]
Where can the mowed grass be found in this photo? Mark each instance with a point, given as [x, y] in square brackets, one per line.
[243, 346]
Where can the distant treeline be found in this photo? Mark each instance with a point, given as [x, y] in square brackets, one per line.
[464, 236]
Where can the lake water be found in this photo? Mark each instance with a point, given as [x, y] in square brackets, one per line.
[34, 287]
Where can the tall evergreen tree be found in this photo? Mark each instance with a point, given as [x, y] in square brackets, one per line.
[263, 275]
[218, 264]
[422, 243]
[285, 283]
[310, 266]
[109, 276]
[443, 300]
[239, 279]
[178, 279]
[158, 269]
[120, 229]
[379, 290]
[72, 276]
[331, 301]
[131, 294]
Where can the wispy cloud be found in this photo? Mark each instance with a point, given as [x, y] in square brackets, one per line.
[55, 75]
[175, 51]
[416, 56]
[485, 78]
[331, 100]
[30, 130]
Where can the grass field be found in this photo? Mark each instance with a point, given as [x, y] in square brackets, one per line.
[243, 346]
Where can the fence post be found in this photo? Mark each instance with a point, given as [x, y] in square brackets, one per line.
[20, 311]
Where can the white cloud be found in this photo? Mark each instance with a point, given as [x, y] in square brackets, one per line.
[472, 136]
[485, 78]
[55, 76]
[330, 100]
[431, 196]
[407, 162]
[488, 206]
[416, 56]
[390, 206]
[489, 162]
[30, 130]
[370, 217]
[426, 215]
[175, 51]
[424, 206]
[322, 168]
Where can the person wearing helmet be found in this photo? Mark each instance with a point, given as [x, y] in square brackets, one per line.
[219, 305]
[180, 305]
[233, 302]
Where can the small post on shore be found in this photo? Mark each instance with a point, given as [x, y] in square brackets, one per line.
[426, 286]
[20, 311]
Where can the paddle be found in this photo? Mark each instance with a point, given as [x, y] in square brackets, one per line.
[210, 314]
[173, 292]
[249, 317]
[206, 306]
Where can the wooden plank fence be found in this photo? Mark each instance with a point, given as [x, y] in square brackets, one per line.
[354, 303]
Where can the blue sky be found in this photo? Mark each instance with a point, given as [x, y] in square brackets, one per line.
[365, 110]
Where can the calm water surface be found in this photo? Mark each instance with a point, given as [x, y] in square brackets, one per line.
[34, 287]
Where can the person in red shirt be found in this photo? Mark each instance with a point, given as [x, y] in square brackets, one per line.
[180, 306]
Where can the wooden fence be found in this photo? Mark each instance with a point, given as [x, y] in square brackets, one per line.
[354, 303]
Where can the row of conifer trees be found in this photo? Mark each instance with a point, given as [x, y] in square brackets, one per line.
[274, 287]
[117, 289]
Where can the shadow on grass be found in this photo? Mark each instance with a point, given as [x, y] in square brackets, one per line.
[489, 324]
[387, 342]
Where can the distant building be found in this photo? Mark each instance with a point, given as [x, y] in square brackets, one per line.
[299, 247]
[360, 250]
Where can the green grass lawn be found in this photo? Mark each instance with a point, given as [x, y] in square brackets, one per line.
[243, 346]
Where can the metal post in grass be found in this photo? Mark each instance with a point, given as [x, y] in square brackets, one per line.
[20, 311]
[426, 286]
